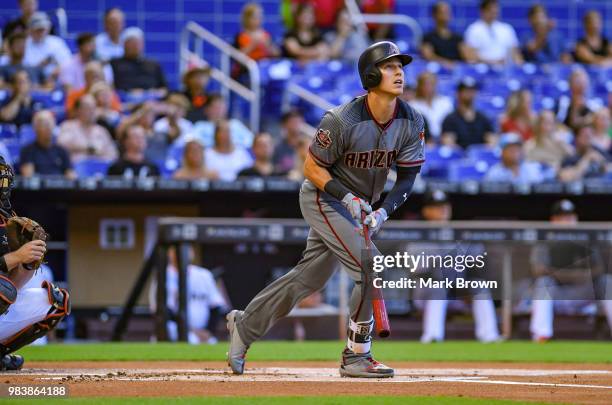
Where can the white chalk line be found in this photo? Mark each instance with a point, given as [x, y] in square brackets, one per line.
[315, 375]
[303, 371]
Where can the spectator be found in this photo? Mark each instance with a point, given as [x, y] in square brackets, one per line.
[132, 163]
[83, 138]
[495, 42]
[546, 146]
[43, 156]
[379, 32]
[519, 116]
[106, 114]
[42, 49]
[16, 52]
[301, 148]
[441, 44]
[587, 161]
[93, 73]
[304, 42]
[215, 109]
[602, 138]
[512, 168]
[543, 45]
[253, 40]
[346, 42]
[325, 12]
[575, 111]
[225, 158]
[20, 107]
[433, 106]
[206, 304]
[158, 143]
[466, 125]
[263, 149]
[195, 81]
[109, 44]
[173, 122]
[20, 24]
[72, 72]
[408, 94]
[193, 167]
[134, 72]
[594, 48]
[567, 271]
[292, 123]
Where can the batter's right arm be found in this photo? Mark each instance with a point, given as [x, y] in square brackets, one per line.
[320, 177]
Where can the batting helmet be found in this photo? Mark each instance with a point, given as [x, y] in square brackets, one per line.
[379, 52]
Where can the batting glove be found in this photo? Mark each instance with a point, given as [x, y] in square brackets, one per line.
[355, 205]
[375, 220]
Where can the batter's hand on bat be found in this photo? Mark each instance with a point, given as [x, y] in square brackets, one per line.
[375, 220]
[355, 205]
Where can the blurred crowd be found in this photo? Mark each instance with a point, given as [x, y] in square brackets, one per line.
[109, 106]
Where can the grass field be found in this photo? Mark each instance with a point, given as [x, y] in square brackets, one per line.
[551, 352]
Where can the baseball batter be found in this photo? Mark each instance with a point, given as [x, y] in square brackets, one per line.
[356, 145]
[26, 314]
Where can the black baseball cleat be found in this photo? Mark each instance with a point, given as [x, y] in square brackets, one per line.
[11, 362]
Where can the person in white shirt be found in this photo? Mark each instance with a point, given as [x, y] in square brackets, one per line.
[72, 72]
[109, 44]
[174, 122]
[205, 302]
[495, 42]
[43, 50]
[224, 157]
[434, 107]
[513, 168]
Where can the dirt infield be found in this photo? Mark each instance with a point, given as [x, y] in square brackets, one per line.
[574, 383]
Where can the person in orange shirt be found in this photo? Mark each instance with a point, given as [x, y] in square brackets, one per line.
[254, 41]
[93, 73]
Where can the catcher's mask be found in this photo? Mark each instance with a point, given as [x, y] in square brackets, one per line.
[6, 184]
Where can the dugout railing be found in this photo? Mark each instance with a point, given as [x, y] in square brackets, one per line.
[181, 232]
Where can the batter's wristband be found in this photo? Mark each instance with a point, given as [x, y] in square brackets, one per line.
[3, 266]
[336, 189]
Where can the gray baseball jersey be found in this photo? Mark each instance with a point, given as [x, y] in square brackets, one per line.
[358, 151]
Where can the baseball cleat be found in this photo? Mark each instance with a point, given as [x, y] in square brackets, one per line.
[237, 349]
[11, 362]
[363, 366]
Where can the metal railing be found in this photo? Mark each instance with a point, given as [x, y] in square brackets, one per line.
[222, 74]
[361, 19]
[62, 22]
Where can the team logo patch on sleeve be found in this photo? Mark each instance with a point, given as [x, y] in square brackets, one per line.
[323, 139]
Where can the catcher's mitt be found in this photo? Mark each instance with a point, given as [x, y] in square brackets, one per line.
[21, 230]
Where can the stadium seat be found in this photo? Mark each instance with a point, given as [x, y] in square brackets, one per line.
[482, 152]
[48, 99]
[91, 168]
[174, 157]
[438, 159]
[14, 147]
[8, 131]
[467, 169]
[26, 135]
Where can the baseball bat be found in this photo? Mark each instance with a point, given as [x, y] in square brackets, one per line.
[381, 319]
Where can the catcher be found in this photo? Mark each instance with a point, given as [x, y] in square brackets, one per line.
[25, 314]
